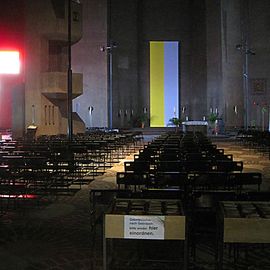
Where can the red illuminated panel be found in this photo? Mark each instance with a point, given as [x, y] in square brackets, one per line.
[22, 196]
[9, 62]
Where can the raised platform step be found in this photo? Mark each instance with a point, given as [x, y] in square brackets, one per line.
[150, 133]
[154, 130]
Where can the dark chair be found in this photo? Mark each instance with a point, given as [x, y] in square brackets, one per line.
[228, 166]
[241, 180]
[132, 180]
[197, 166]
[258, 196]
[101, 200]
[137, 166]
[169, 166]
[162, 194]
[170, 179]
[211, 180]
[202, 222]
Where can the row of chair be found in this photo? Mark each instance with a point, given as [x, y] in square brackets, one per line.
[54, 166]
[189, 181]
[255, 139]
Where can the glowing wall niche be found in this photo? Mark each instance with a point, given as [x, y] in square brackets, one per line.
[164, 82]
[9, 78]
[9, 62]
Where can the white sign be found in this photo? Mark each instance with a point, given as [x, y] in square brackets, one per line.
[144, 227]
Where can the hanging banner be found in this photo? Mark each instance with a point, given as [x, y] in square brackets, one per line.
[164, 82]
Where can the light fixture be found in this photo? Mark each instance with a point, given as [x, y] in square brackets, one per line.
[109, 47]
[90, 109]
[184, 109]
[120, 113]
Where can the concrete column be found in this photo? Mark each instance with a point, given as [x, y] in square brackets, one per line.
[87, 58]
[215, 95]
[124, 33]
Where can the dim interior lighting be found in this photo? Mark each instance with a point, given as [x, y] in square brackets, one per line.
[9, 62]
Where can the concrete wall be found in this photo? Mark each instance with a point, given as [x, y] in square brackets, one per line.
[211, 68]
[88, 59]
[166, 20]
[18, 111]
[198, 93]
[124, 32]
[43, 26]
[244, 24]
[259, 64]
[215, 96]
[134, 24]
[232, 64]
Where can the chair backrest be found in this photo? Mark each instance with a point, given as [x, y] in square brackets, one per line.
[258, 195]
[170, 179]
[197, 165]
[228, 166]
[156, 193]
[169, 166]
[137, 166]
[196, 156]
[172, 154]
[246, 179]
[210, 181]
[132, 180]
[210, 198]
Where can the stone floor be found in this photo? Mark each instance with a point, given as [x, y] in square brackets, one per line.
[57, 235]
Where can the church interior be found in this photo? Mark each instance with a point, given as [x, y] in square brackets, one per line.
[134, 134]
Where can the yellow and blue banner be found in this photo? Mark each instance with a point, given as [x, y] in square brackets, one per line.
[164, 82]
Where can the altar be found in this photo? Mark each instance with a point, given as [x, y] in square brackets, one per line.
[195, 126]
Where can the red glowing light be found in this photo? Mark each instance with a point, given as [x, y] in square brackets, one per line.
[22, 196]
[9, 62]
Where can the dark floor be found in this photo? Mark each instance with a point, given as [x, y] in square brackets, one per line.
[57, 234]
